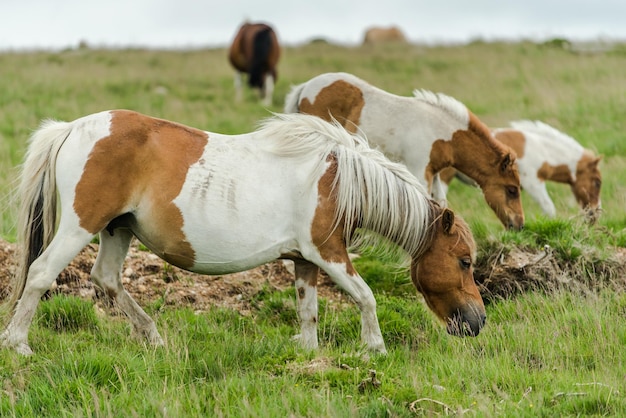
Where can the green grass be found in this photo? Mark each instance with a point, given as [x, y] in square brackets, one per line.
[535, 359]
[541, 353]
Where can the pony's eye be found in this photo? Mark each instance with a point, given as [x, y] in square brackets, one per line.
[512, 192]
[598, 183]
[465, 263]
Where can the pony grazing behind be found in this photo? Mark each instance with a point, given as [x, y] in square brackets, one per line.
[299, 188]
[255, 51]
[547, 154]
[428, 132]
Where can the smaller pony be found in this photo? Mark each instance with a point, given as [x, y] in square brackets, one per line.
[547, 154]
[255, 51]
[427, 132]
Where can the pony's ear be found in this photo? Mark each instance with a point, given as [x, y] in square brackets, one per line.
[506, 162]
[447, 220]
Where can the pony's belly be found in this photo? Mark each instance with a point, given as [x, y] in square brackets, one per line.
[236, 261]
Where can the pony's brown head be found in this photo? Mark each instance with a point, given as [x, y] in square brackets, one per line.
[494, 168]
[586, 186]
[444, 275]
[502, 191]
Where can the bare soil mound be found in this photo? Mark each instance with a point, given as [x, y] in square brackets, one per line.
[149, 279]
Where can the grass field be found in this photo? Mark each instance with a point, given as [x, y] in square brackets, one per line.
[541, 354]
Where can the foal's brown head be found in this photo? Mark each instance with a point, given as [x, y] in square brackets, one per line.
[500, 181]
[444, 275]
[586, 186]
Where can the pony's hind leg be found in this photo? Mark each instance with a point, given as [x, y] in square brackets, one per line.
[306, 293]
[107, 274]
[41, 273]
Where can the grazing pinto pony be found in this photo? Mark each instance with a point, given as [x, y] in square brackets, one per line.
[547, 154]
[255, 51]
[377, 35]
[428, 132]
[298, 188]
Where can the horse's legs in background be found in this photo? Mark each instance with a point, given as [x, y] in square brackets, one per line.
[306, 294]
[537, 189]
[268, 90]
[238, 81]
[107, 274]
[42, 272]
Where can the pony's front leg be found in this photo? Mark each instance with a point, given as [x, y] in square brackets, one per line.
[344, 275]
[439, 190]
[306, 293]
[268, 90]
[238, 87]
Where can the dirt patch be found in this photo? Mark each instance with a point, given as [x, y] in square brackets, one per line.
[149, 279]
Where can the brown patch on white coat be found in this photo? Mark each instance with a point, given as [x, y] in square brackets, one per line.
[140, 164]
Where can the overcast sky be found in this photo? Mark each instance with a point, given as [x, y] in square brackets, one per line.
[59, 24]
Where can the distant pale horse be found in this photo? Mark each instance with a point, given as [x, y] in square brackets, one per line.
[377, 35]
[255, 51]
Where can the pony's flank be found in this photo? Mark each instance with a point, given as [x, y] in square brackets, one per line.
[373, 193]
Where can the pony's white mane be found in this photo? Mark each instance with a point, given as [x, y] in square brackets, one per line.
[444, 102]
[545, 131]
[373, 192]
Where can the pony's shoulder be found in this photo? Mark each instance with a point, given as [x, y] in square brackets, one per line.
[441, 100]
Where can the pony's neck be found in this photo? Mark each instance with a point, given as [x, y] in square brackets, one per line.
[472, 151]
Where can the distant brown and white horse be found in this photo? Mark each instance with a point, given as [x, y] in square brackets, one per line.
[547, 154]
[255, 51]
[428, 132]
[376, 35]
[298, 188]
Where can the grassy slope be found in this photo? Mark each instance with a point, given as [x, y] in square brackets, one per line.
[540, 355]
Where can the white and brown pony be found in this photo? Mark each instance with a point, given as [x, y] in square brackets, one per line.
[547, 154]
[298, 188]
[428, 132]
[255, 51]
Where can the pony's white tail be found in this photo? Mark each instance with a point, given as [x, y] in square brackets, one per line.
[37, 193]
[293, 98]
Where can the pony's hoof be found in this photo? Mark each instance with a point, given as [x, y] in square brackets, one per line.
[307, 344]
[24, 349]
[20, 347]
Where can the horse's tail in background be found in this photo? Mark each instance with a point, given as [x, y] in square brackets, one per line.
[37, 193]
[293, 99]
[261, 46]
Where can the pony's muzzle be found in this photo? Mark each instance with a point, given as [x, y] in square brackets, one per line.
[466, 322]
